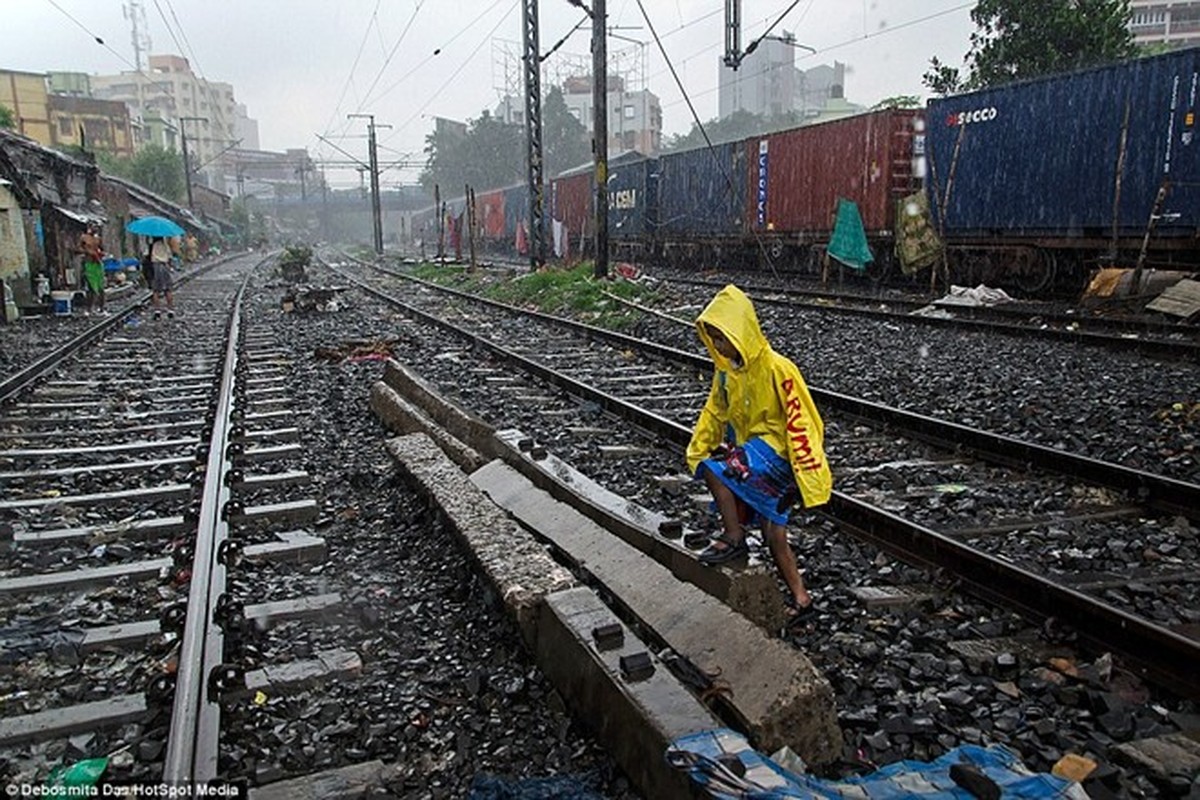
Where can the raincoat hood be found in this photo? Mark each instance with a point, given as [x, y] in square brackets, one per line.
[763, 397]
[732, 312]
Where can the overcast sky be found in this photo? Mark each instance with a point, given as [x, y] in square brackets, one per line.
[301, 65]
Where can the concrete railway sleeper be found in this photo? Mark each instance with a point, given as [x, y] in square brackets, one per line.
[166, 649]
[1052, 606]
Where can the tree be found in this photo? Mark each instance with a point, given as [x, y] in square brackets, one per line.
[1017, 40]
[8, 120]
[898, 101]
[489, 154]
[159, 170]
[741, 124]
[564, 138]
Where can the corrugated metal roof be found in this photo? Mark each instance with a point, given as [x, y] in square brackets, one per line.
[82, 217]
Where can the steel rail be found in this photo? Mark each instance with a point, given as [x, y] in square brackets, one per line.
[1157, 491]
[13, 385]
[1178, 349]
[1157, 651]
[192, 745]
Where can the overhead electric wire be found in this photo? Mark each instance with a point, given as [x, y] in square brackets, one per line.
[95, 38]
[374, 20]
[461, 67]
[845, 43]
[170, 30]
[754, 44]
[367, 96]
[437, 51]
[185, 50]
[696, 117]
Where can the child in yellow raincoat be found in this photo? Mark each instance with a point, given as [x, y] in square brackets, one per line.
[758, 444]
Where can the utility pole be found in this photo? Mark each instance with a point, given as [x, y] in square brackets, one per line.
[600, 132]
[187, 167]
[324, 207]
[441, 217]
[532, 62]
[470, 195]
[376, 209]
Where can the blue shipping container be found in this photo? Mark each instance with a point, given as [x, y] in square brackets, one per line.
[702, 192]
[1041, 157]
[631, 197]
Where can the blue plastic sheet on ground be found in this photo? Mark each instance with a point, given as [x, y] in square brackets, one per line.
[558, 787]
[709, 759]
[116, 265]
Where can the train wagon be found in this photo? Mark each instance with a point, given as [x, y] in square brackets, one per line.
[632, 200]
[797, 176]
[516, 212]
[701, 206]
[571, 204]
[1055, 175]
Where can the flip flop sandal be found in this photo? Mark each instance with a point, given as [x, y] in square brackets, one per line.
[730, 552]
[801, 615]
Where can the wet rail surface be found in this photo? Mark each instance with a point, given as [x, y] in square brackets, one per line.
[1150, 334]
[299, 666]
[1060, 553]
[124, 469]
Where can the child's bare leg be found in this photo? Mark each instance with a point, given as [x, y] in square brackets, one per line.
[785, 560]
[726, 507]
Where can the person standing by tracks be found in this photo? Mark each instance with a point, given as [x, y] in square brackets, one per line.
[160, 277]
[758, 444]
[92, 248]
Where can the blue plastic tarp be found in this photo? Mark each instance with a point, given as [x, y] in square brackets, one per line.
[116, 265]
[706, 757]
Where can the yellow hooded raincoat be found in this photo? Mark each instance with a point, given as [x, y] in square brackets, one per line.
[764, 397]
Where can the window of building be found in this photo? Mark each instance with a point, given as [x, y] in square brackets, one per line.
[98, 130]
[66, 127]
[629, 112]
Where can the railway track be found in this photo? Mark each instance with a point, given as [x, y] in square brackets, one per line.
[142, 460]
[1088, 544]
[1157, 337]
[266, 656]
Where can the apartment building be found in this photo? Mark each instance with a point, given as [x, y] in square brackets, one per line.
[1163, 22]
[203, 111]
[24, 93]
[95, 125]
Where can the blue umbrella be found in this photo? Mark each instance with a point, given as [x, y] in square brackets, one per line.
[154, 226]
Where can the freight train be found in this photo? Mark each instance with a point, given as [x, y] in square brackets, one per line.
[1018, 185]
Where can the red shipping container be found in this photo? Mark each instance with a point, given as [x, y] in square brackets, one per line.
[571, 202]
[489, 208]
[866, 158]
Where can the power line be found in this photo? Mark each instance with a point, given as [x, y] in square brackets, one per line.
[845, 43]
[438, 51]
[170, 30]
[367, 97]
[461, 67]
[720, 164]
[350, 77]
[97, 39]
